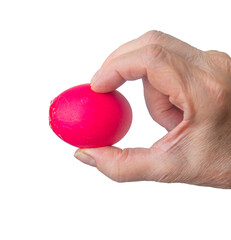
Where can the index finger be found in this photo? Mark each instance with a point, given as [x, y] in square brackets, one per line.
[164, 70]
[167, 41]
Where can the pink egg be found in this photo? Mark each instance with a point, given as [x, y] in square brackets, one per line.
[86, 119]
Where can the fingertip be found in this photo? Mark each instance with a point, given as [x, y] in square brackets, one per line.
[105, 81]
[100, 87]
[84, 157]
[95, 76]
[98, 154]
[95, 88]
[92, 87]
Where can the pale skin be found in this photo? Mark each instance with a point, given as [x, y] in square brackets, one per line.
[188, 92]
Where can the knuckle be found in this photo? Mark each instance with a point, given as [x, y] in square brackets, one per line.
[224, 55]
[220, 59]
[218, 54]
[153, 36]
[152, 53]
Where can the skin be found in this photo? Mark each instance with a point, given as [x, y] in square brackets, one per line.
[188, 92]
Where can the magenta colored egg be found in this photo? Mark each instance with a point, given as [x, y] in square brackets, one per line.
[86, 119]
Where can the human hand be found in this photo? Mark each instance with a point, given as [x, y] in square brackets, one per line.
[187, 91]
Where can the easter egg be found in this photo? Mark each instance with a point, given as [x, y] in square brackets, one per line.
[87, 119]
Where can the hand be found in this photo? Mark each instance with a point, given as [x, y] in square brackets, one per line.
[187, 91]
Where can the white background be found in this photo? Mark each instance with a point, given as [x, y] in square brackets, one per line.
[45, 193]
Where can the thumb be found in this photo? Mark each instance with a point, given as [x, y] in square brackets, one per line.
[129, 164]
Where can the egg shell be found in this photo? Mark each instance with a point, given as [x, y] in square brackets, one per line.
[86, 119]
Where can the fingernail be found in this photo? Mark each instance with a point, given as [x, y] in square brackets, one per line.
[95, 77]
[85, 158]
